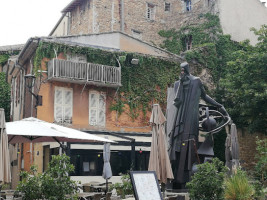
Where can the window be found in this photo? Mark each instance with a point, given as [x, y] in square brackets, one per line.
[137, 34]
[188, 5]
[77, 58]
[97, 108]
[188, 42]
[63, 105]
[150, 11]
[167, 7]
[82, 7]
[208, 3]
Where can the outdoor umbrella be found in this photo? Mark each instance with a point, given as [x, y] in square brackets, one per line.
[107, 173]
[5, 172]
[35, 130]
[159, 159]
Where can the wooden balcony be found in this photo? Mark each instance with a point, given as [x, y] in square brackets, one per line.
[81, 73]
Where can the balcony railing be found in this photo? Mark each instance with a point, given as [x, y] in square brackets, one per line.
[76, 72]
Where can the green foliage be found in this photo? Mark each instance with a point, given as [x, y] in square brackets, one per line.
[245, 84]
[30, 185]
[141, 84]
[202, 33]
[261, 161]
[207, 182]
[4, 95]
[239, 70]
[237, 187]
[54, 184]
[124, 188]
[3, 59]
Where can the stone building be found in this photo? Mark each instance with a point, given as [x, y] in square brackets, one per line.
[144, 19]
[138, 18]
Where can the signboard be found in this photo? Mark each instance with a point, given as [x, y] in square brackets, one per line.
[145, 185]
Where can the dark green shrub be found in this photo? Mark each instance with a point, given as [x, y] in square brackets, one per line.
[261, 161]
[207, 182]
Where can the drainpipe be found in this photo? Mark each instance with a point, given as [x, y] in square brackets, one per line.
[122, 15]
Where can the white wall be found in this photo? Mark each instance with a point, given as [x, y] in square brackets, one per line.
[62, 28]
[238, 16]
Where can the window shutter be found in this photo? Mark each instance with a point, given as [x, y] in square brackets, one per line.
[102, 109]
[93, 109]
[63, 105]
[67, 105]
[58, 105]
[97, 108]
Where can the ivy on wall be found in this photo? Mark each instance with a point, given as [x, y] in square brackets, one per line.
[211, 49]
[238, 69]
[3, 59]
[142, 84]
[4, 95]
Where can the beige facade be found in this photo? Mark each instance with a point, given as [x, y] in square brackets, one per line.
[62, 27]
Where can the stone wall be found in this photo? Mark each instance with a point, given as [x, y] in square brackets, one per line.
[131, 17]
[247, 145]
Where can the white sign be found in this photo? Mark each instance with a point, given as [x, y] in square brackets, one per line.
[145, 185]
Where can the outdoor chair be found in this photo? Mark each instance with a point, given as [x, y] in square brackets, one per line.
[97, 196]
[107, 196]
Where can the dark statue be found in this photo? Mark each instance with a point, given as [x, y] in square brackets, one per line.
[183, 141]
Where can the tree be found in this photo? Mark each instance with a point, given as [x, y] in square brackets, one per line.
[56, 182]
[4, 95]
[245, 84]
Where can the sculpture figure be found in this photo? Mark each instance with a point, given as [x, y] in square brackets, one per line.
[183, 141]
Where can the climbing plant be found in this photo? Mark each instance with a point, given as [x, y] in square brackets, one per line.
[4, 95]
[238, 69]
[142, 84]
[3, 59]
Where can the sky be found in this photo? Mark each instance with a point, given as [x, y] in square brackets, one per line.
[22, 19]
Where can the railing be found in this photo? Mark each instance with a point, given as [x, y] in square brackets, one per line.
[64, 70]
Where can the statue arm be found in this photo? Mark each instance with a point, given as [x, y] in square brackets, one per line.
[211, 101]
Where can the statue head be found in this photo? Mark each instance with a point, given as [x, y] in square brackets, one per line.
[184, 71]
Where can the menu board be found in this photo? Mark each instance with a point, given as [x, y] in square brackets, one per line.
[145, 185]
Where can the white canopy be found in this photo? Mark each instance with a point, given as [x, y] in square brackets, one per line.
[35, 130]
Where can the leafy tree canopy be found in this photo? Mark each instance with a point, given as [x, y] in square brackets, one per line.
[245, 84]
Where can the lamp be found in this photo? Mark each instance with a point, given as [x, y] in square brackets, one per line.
[30, 81]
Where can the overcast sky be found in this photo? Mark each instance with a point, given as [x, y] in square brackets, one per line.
[22, 19]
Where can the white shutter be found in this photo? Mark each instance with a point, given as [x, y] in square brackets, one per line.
[93, 108]
[63, 105]
[58, 111]
[97, 108]
[67, 105]
[102, 109]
